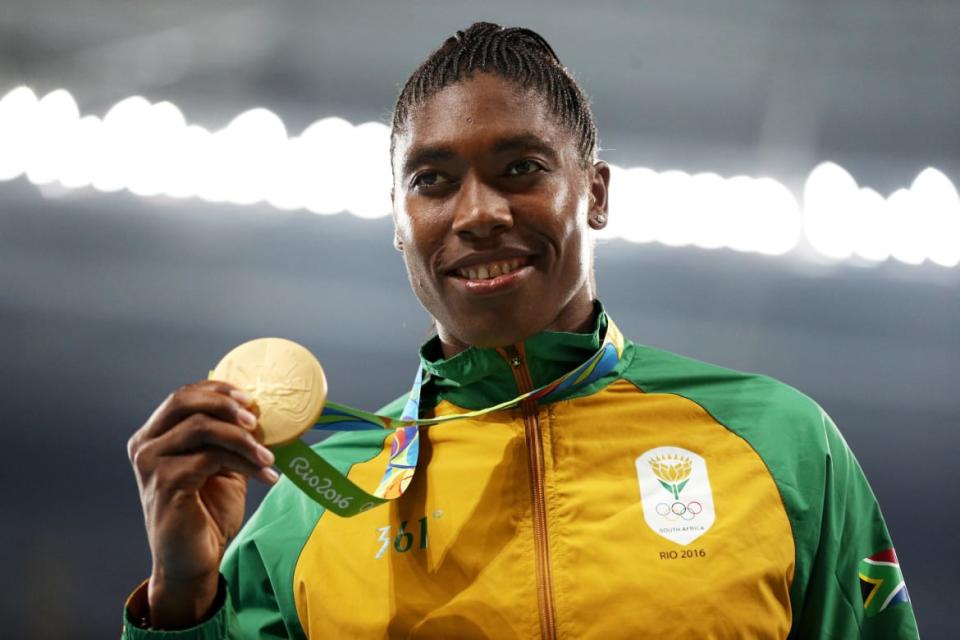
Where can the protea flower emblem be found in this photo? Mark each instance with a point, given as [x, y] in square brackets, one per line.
[673, 472]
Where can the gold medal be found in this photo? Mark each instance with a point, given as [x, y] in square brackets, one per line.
[285, 380]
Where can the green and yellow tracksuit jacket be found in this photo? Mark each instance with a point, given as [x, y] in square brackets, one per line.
[668, 499]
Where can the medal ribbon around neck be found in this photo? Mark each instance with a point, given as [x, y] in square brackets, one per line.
[325, 484]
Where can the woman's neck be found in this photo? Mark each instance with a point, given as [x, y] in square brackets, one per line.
[577, 317]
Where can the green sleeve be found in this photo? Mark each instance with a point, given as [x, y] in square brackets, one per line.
[855, 587]
[222, 624]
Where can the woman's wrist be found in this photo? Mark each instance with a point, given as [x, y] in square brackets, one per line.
[181, 604]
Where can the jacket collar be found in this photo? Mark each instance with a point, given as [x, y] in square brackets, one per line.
[477, 377]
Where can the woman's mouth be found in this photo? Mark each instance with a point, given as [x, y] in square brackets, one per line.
[491, 270]
[495, 276]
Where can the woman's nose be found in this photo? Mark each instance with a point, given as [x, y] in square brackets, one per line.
[481, 210]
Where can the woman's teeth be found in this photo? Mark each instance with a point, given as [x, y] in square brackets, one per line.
[490, 270]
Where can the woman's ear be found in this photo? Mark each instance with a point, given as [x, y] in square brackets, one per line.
[397, 242]
[599, 194]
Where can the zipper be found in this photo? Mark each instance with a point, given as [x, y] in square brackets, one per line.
[531, 426]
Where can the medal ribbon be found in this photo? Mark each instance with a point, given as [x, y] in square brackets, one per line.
[328, 486]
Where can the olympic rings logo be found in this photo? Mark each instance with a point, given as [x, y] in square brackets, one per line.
[679, 510]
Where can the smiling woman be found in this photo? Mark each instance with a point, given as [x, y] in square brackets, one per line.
[487, 177]
[580, 486]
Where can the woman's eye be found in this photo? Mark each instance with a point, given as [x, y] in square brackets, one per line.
[429, 179]
[524, 167]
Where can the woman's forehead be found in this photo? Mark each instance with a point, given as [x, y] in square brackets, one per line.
[481, 111]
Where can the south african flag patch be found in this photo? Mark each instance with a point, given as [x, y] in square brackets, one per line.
[881, 582]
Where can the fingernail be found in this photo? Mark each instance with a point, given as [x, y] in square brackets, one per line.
[248, 419]
[272, 475]
[264, 455]
[242, 397]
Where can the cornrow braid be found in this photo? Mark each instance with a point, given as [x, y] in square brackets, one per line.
[516, 54]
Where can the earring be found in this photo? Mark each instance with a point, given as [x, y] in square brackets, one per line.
[397, 243]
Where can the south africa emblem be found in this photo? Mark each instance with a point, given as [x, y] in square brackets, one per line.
[675, 493]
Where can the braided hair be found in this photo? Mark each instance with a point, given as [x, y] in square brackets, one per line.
[516, 54]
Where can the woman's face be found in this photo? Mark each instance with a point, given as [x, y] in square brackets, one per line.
[492, 203]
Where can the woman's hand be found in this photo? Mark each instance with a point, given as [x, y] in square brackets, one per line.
[192, 459]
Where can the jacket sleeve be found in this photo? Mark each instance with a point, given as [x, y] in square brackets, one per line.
[856, 588]
[223, 623]
[246, 605]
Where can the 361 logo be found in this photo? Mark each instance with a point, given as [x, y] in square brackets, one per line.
[404, 540]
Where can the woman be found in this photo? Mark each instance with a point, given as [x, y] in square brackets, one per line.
[660, 497]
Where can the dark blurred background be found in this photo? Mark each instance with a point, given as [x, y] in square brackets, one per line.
[108, 301]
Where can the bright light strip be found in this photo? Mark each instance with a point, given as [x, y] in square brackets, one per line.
[674, 208]
[151, 150]
[912, 225]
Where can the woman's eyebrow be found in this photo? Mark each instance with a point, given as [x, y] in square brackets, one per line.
[525, 142]
[427, 155]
